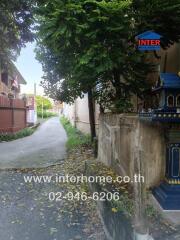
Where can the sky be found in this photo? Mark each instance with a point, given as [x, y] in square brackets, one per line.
[30, 69]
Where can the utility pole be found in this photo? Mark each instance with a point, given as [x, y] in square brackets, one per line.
[42, 110]
[35, 105]
[35, 89]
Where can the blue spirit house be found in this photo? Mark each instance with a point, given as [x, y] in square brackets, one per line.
[167, 94]
[167, 111]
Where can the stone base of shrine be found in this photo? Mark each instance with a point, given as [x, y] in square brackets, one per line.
[168, 196]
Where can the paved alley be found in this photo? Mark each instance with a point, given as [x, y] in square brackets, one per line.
[44, 148]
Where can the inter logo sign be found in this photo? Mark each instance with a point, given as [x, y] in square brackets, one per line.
[149, 41]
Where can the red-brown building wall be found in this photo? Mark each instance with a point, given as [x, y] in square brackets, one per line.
[12, 115]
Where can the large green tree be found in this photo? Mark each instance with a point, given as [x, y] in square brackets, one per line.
[85, 47]
[88, 46]
[16, 22]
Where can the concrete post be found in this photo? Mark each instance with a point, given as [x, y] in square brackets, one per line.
[141, 231]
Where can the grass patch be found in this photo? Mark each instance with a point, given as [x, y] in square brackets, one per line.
[6, 137]
[46, 114]
[75, 137]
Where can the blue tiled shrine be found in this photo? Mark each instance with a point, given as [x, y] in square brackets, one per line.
[167, 110]
[168, 196]
[167, 92]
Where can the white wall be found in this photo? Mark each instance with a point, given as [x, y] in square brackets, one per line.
[78, 113]
[69, 112]
[82, 114]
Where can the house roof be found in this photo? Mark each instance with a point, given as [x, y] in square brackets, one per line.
[15, 73]
[149, 35]
[168, 81]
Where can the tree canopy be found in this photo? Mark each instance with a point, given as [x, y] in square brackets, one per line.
[43, 102]
[161, 16]
[16, 21]
[90, 44]
[87, 44]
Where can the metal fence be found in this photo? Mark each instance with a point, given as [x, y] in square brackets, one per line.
[12, 115]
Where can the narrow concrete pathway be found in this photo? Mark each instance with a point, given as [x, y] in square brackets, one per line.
[44, 148]
[26, 213]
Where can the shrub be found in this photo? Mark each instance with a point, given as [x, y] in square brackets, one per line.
[6, 137]
[46, 114]
[75, 137]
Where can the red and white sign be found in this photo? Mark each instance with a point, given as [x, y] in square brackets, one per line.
[15, 83]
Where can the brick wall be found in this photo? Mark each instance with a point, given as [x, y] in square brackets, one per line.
[12, 115]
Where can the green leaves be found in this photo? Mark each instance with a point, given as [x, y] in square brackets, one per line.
[90, 43]
[43, 102]
[158, 15]
[16, 21]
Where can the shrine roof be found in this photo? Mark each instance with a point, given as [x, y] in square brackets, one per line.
[168, 81]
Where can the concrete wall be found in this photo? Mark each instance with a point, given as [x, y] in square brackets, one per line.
[78, 114]
[118, 146]
[82, 114]
[69, 112]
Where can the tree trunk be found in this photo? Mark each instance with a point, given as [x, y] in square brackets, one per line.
[91, 115]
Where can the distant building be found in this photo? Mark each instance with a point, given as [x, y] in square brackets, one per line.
[10, 81]
[12, 108]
